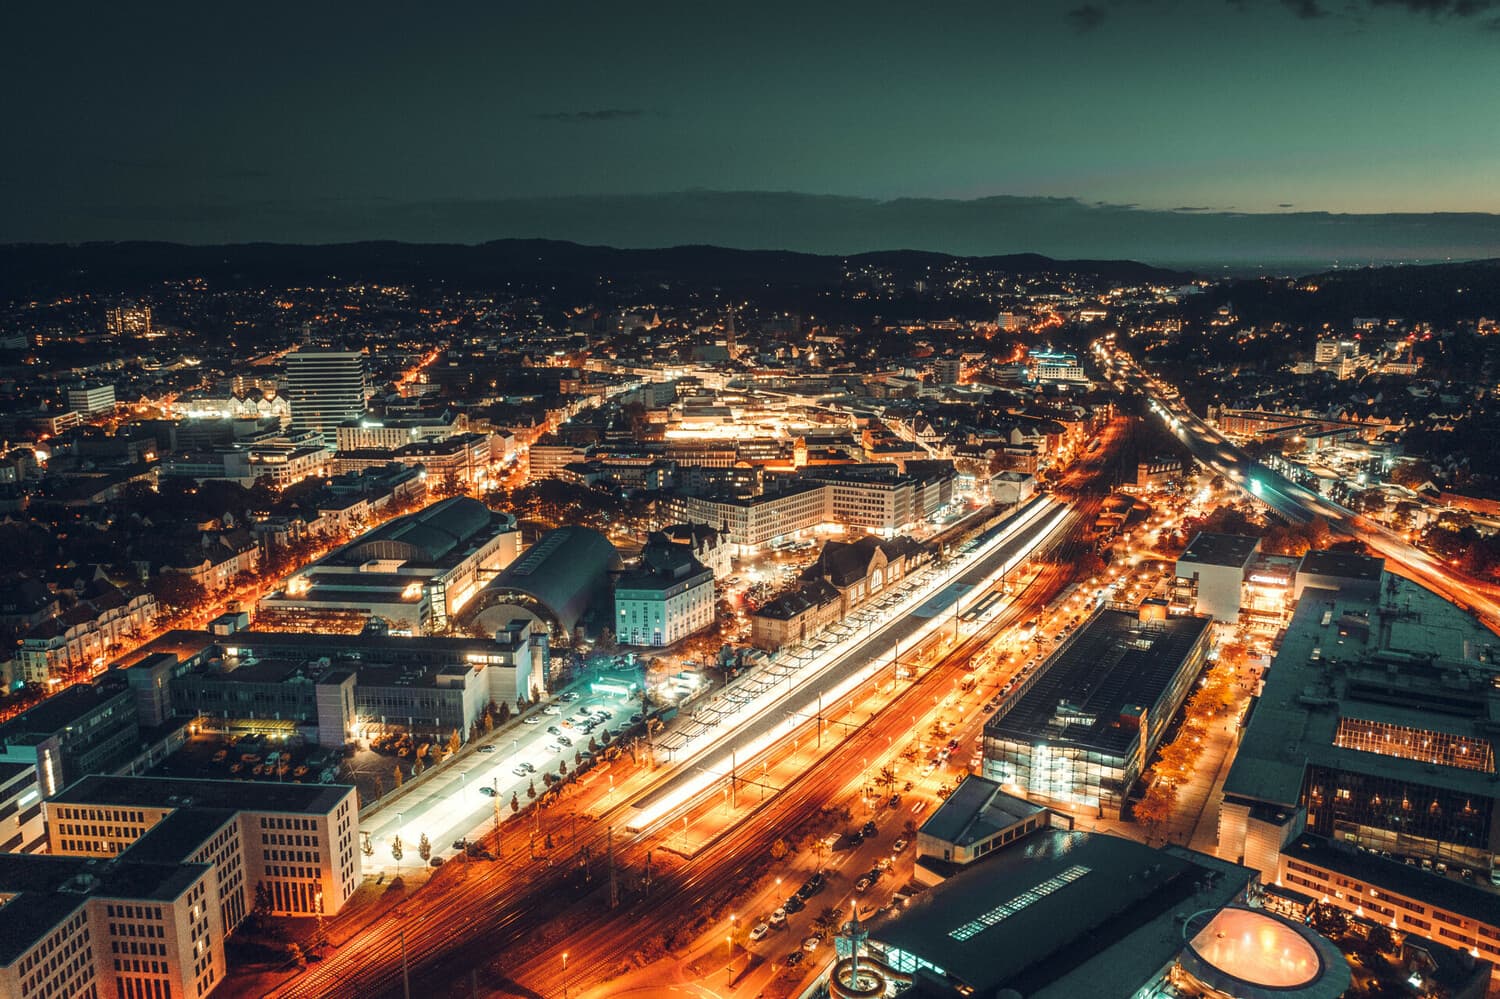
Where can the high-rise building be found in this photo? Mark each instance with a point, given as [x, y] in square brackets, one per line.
[89, 398]
[131, 320]
[325, 388]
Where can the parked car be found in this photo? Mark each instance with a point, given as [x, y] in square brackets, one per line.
[869, 830]
[778, 918]
[486, 790]
[759, 931]
[793, 959]
[810, 943]
[486, 749]
[793, 904]
[863, 884]
[569, 696]
[533, 719]
[552, 709]
[898, 846]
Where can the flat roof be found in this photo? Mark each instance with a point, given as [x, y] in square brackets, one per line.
[1060, 912]
[50, 889]
[1342, 565]
[62, 709]
[1470, 900]
[1230, 550]
[1114, 662]
[1400, 656]
[186, 792]
[976, 810]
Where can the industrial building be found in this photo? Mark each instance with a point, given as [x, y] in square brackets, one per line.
[1078, 732]
[555, 584]
[415, 572]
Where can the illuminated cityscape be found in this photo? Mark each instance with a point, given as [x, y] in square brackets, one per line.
[826, 502]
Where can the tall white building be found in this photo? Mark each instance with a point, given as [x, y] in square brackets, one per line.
[91, 397]
[325, 388]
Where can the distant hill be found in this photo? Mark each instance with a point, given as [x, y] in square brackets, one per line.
[34, 269]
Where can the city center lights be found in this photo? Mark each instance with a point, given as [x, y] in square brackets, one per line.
[661, 806]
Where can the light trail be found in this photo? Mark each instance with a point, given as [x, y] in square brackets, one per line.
[665, 804]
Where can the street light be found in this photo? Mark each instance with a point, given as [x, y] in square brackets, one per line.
[565, 975]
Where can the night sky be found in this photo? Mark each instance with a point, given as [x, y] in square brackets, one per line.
[449, 121]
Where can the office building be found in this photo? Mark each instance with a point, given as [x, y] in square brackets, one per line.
[90, 398]
[1078, 732]
[666, 598]
[1211, 573]
[1373, 728]
[325, 388]
[85, 729]
[414, 572]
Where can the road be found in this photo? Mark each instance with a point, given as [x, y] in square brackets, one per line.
[1298, 503]
[510, 921]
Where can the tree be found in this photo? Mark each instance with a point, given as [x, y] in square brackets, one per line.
[177, 592]
[424, 848]
[397, 852]
[779, 849]
[396, 775]
[562, 767]
[454, 742]
[515, 803]
[531, 789]
[369, 846]
[262, 909]
[504, 712]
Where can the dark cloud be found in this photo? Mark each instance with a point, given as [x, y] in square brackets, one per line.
[1193, 208]
[1086, 18]
[591, 115]
[1308, 10]
[1286, 204]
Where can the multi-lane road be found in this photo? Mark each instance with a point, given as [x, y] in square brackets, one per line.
[1296, 502]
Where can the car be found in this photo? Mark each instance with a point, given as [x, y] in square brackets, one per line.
[810, 943]
[554, 747]
[533, 720]
[460, 844]
[552, 709]
[553, 730]
[898, 846]
[565, 740]
[636, 718]
[793, 959]
[778, 918]
[437, 861]
[863, 884]
[869, 830]
[759, 931]
[818, 880]
[793, 904]
[605, 713]
[569, 696]
[883, 864]
[486, 749]
[519, 770]
[529, 767]
[486, 790]
[895, 801]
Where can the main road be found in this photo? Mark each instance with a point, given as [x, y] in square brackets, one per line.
[1297, 502]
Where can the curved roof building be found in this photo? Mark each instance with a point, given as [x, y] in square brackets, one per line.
[554, 582]
[427, 536]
